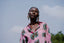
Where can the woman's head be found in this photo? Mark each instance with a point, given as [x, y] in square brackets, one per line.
[33, 13]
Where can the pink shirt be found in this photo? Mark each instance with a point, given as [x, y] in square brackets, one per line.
[41, 34]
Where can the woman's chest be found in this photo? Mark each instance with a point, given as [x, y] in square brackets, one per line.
[36, 35]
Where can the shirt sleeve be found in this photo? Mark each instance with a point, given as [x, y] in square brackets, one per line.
[48, 35]
[23, 38]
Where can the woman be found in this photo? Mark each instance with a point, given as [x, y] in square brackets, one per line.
[35, 31]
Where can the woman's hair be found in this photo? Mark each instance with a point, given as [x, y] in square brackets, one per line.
[36, 8]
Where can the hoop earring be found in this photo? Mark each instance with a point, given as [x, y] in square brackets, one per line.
[37, 19]
[28, 17]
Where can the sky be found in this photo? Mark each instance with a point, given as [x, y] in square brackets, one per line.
[13, 17]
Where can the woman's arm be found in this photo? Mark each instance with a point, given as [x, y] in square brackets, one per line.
[48, 35]
[23, 38]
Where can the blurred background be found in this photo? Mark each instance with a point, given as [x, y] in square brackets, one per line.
[13, 18]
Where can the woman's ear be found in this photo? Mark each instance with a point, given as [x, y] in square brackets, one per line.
[28, 16]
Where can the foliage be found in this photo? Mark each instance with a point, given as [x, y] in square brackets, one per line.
[57, 38]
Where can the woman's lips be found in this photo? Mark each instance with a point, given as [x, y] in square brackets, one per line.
[32, 16]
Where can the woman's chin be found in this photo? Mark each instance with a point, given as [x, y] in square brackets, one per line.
[32, 17]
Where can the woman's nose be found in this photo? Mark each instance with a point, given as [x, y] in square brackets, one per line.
[33, 12]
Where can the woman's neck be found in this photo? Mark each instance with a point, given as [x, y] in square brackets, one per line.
[33, 21]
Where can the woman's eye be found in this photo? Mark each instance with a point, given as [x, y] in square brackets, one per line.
[31, 11]
[36, 11]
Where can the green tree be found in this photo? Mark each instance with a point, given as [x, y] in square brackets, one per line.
[57, 38]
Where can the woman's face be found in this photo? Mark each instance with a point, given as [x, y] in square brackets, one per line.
[33, 13]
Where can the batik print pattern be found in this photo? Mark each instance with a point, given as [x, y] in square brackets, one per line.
[41, 35]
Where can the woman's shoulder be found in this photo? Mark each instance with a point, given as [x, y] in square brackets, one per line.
[24, 30]
[42, 23]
